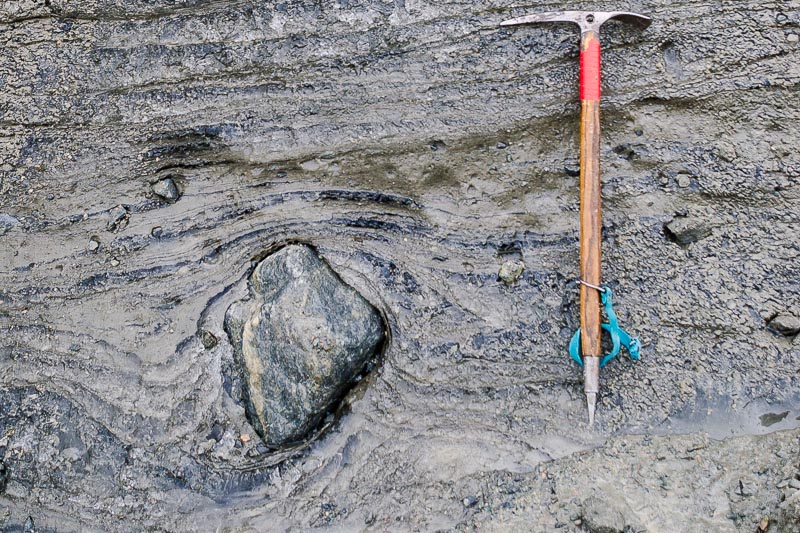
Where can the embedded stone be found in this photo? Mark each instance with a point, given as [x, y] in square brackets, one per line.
[787, 324]
[300, 342]
[510, 271]
[686, 230]
[167, 190]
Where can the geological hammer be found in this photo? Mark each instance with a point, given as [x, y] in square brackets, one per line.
[590, 221]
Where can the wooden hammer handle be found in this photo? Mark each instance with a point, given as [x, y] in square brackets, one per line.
[591, 224]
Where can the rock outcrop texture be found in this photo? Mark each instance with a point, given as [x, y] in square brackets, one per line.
[419, 147]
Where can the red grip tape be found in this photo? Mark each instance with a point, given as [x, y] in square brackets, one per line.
[590, 69]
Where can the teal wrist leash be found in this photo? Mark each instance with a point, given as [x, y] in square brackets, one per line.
[619, 337]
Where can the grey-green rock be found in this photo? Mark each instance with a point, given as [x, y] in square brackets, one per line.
[786, 324]
[167, 190]
[686, 230]
[299, 341]
[510, 271]
[117, 219]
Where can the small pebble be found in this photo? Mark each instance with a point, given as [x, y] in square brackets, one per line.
[208, 339]
[225, 446]
[785, 324]
[572, 168]
[117, 219]
[501, 145]
[94, 243]
[684, 181]
[205, 446]
[793, 38]
[262, 448]
[156, 232]
[244, 437]
[726, 151]
[167, 190]
[216, 431]
[7, 222]
[114, 262]
[71, 454]
[469, 501]
[686, 230]
[510, 271]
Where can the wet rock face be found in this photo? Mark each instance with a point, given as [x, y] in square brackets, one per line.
[300, 341]
[424, 145]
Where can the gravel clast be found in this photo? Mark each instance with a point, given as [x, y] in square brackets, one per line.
[300, 341]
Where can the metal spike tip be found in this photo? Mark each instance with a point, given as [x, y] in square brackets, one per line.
[591, 403]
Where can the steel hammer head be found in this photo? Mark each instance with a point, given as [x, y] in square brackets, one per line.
[587, 20]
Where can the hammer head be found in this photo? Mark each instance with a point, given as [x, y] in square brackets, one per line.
[587, 20]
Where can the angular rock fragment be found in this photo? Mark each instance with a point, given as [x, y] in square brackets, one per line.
[94, 243]
[786, 324]
[299, 341]
[770, 419]
[686, 230]
[117, 219]
[510, 271]
[167, 190]
[208, 339]
[6, 223]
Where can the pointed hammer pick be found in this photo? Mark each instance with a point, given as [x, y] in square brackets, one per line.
[591, 226]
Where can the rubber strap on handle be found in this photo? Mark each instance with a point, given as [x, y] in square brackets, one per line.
[590, 67]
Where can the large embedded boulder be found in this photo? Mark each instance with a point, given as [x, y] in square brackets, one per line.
[299, 341]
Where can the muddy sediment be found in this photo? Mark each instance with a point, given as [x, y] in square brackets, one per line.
[152, 153]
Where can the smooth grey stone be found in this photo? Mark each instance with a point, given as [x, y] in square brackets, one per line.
[299, 341]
